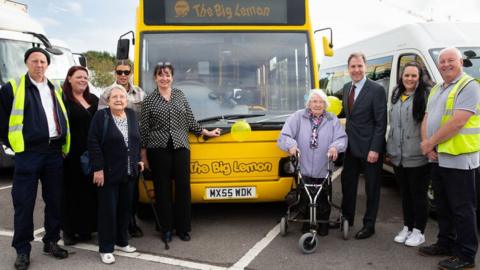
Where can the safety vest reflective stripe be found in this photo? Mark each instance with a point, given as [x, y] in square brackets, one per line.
[467, 140]
[15, 125]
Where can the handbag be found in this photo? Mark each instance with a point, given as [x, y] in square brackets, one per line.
[85, 160]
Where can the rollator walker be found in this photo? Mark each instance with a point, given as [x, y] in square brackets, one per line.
[308, 242]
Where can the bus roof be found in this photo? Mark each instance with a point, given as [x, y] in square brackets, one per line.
[421, 36]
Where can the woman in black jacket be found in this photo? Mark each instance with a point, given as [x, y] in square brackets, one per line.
[79, 196]
[114, 146]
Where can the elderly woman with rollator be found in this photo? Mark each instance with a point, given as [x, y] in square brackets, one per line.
[317, 136]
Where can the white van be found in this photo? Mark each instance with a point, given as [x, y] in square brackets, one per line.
[388, 52]
[18, 33]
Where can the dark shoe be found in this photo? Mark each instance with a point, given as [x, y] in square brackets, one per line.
[323, 229]
[365, 232]
[455, 263]
[167, 237]
[69, 239]
[184, 236]
[135, 231]
[434, 250]
[22, 262]
[56, 251]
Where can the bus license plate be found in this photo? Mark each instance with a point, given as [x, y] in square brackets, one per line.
[231, 193]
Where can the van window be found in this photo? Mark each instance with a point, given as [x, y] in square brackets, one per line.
[379, 70]
[406, 58]
[333, 79]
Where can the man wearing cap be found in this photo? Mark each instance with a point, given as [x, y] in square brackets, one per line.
[34, 124]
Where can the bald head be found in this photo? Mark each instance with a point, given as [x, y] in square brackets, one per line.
[450, 64]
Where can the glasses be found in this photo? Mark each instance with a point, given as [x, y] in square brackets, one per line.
[164, 64]
[124, 72]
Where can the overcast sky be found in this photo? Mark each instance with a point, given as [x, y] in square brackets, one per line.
[96, 24]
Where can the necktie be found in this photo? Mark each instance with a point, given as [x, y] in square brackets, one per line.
[351, 98]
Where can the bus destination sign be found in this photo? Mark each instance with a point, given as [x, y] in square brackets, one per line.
[226, 12]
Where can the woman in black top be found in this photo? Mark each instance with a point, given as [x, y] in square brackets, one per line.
[79, 205]
[166, 120]
[114, 146]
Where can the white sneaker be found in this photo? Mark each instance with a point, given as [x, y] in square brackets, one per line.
[127, 248]
[107, 258]
[402, 235]
[416, 238]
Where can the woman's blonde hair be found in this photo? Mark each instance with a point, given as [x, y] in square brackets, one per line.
[321, 94]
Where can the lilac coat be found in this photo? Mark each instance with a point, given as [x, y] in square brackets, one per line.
[297, 131]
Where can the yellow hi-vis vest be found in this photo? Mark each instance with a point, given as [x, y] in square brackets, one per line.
[15, 124]
[467, 140]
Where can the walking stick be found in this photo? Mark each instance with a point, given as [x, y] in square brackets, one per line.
[150, 200]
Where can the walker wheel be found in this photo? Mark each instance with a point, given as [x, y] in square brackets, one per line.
[308, 243]
[345, 228]
[283, 226]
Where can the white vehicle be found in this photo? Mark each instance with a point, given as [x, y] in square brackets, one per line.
[18, 33]
[388, 52]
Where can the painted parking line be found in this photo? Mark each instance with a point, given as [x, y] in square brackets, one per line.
[240, 264]
[256, 249]
[5, 187]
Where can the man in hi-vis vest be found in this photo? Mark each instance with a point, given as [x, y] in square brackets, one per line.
[451, 141]
[34, 123]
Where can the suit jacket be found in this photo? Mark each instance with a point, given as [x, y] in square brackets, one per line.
[113, 155]
[367, 122]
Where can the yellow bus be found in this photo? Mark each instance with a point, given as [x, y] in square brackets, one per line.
[250, 60]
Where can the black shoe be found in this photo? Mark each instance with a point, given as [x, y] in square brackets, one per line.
[434, 250]
[184, 236]
[135, 231]
[22, 262]
[167, 237]
[56, 251]
[69, 239]
[323, 229]
[455, 263]
[365, 232]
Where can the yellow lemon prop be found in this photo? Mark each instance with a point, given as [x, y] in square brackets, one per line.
[241, 131]
[335, 105]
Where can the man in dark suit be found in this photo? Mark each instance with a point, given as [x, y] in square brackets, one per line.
[365, 106]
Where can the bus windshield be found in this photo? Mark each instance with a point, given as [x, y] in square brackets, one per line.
[12, 65]
[232, 73]
[471, 60]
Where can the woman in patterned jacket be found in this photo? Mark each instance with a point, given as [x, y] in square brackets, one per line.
[166, 120]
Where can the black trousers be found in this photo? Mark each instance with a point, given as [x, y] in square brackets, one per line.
[455, 199]
[114, 203]
[414, 187]
[167, 165]
[29, 168]
[323, 206]
[373, 174]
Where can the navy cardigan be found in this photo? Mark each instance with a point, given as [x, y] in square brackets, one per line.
[112, 155]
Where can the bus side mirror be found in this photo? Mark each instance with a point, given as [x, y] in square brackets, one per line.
[327, 44]
[327, 47]
[80, 59]
[123, 48]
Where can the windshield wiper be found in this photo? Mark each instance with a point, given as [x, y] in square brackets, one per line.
[230, 117]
